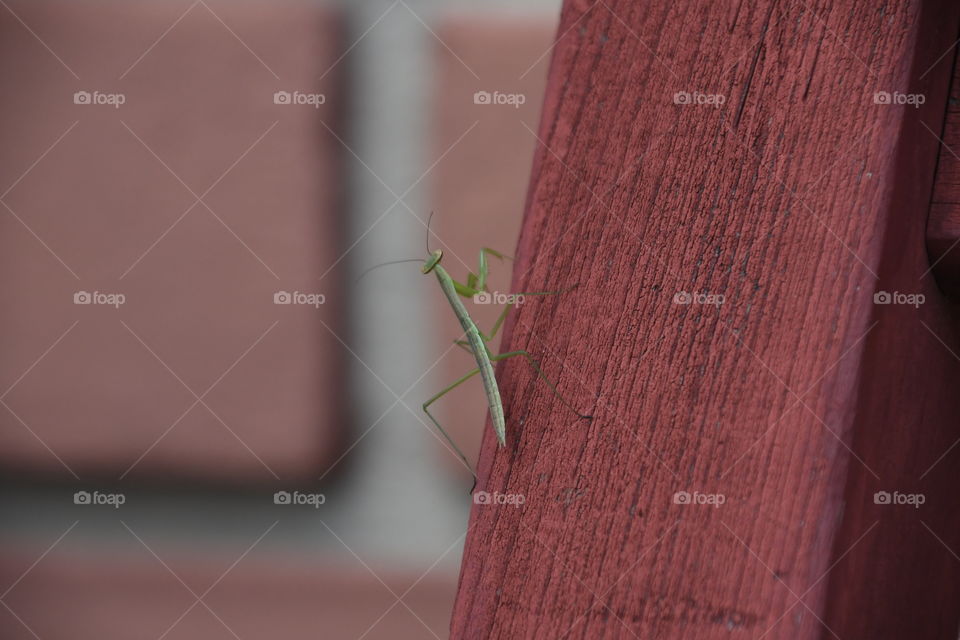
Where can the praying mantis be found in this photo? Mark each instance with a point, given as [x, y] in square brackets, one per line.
[476, 343]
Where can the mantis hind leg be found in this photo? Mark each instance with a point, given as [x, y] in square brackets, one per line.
[441, 429]
[543, 376]
[493, 358]
[548, 293]
[496, 358]
[503, 315]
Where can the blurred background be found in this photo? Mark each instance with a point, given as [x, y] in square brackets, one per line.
[209, 428]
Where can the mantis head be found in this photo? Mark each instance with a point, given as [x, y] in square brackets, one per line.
[432, 261]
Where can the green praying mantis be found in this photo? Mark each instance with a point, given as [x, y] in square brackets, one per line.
[476, 342]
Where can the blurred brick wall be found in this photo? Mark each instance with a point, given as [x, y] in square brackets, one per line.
[198, 199]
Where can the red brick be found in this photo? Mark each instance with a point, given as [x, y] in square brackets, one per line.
[131, 595]
[197, 293]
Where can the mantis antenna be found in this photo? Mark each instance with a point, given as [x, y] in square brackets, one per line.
[384, 264]
[429, 220]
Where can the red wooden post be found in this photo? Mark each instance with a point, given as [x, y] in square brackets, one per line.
[943, 227]
[731, 184]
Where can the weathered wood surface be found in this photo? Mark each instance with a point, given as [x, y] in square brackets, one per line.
[797, 399]
[943, 227]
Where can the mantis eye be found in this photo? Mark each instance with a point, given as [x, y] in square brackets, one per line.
[432, 261]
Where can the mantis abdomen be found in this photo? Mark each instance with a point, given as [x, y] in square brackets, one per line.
[480, 353]
[489, 383]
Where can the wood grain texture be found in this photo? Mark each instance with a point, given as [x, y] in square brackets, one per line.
[794, 401]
